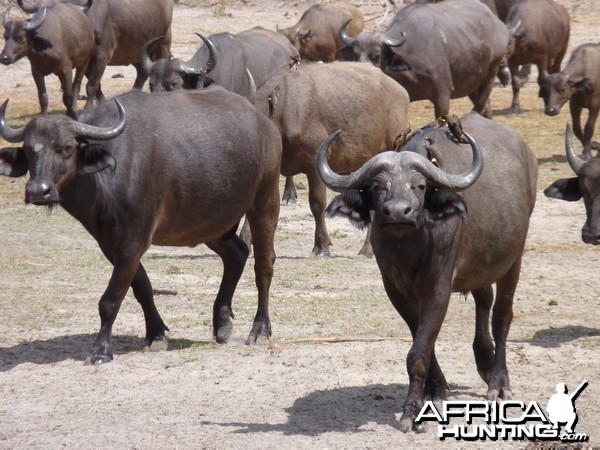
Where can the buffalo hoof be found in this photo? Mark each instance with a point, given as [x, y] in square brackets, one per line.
[291, 200]
[407, 424]
[320, 253]
[97, 360]
[493, 394]
[224, 332]
[159, 344]
[260, 333]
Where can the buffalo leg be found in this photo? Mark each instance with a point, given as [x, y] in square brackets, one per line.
[588, 133]
[483, 347]
[66, 82]
[140, 77]
[76, 87]
[40, 84]
[234, 253]
[125, 266]
[289, 191]
[155, 327]
[317, 200]
[367, 250]
[499, 385]
[515, 107]
[426, 378]
[263, 219]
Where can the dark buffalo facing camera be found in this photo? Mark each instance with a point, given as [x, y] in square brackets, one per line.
[446, 219]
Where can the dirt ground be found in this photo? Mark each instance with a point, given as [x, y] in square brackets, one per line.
[334, 374]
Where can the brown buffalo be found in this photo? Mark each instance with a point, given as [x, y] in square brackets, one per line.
[306, 104]
[56, 39]
[316, 33]
[430, 241]
[579, 84]
[540, 35]
[121, 28]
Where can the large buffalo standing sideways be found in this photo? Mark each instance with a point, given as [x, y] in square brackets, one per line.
[262, 52]
[430, 241]
[56, 39]
[176, 169]
[225, 59]
[316, 33]
[308, 103]
[540, 35]
[439, 51]
[586, 185]
[579, 84]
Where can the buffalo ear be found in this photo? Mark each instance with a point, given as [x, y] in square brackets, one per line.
[564, 189]
[41, 44]
[354, 205]
[584, 85]
[13, 162]
[94, 158]
[441, 204]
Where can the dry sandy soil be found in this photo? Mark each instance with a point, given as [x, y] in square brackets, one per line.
[334, 375]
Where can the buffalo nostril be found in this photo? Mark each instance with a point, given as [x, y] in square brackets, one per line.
[407, 210]
[47, 191]
[386, 210]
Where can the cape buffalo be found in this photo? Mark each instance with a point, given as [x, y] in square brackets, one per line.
[430, 241]
[540, 35]
[121, 28]
[578, 83]
[261, 51]
[316, 33]
[56, 39]
[586, 185]
[307, 103]
[176, 168]
[225, 60]
[439, 51]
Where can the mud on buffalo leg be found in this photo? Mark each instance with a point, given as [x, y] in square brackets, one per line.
[234, 253]
[483, 347]
[263, 223]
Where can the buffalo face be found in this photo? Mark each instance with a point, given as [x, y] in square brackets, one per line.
[585, 185]
[402, 189]
[555, 91]
[55, 148]
[20, 37]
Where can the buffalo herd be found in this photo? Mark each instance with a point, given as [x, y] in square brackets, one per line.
[447, 205]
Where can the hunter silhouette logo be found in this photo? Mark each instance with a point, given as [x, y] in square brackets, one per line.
[561, 406]
[510, 419]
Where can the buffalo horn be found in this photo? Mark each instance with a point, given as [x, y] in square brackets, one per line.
[251, 87]
[86, 131]
[346, 39]
[87, 5]
[36, 20]
[574, 161]
[210, 63]
[27, 9]
[146, 58]
[394, 42]
[341, 183]
[407, 160]
[9, 134]
[6, 15]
